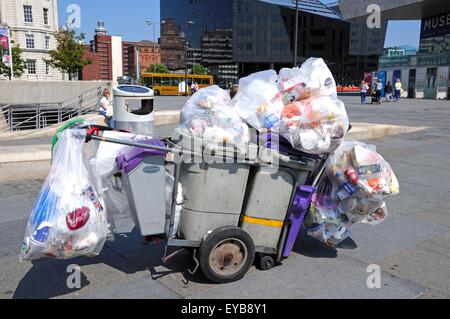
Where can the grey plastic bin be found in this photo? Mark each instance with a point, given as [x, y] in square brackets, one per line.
[144, 177]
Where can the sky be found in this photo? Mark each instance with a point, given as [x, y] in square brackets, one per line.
[127, 19]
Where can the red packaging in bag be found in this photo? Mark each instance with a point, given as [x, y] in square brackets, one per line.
[78, 218]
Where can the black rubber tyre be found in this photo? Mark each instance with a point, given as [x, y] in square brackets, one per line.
[227, 254]
[265, 262]
[156, 93]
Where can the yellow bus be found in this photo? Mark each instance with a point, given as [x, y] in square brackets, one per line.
[169, 83]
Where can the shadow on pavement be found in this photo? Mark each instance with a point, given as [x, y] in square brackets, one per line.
[127, 254]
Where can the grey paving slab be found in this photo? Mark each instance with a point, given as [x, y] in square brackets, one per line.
[174, 274]
[391, 237]
[142, 288]
[46, 278]
[303, 277]
[17, 199]
[416, 198]
[432, 177]
[427, 263]
[11, 236]
[440, 216]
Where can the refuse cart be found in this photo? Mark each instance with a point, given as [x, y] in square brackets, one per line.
[233, 213]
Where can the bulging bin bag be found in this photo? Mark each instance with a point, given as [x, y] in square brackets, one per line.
[316, 125]
[354, 190]
[69, 218]
[209, 115]
[314, 78]
[259, 101]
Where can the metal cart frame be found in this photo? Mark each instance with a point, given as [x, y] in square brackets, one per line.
[266, 256]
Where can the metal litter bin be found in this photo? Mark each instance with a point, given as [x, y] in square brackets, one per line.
[133, 109]
[144, 176]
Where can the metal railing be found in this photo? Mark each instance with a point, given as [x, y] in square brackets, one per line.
[37, 116]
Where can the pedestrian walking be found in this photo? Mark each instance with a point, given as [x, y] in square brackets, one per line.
[379, 88]
[193, 88]
[363, 91]
[388, 89]
[398, 90]
[105, 108]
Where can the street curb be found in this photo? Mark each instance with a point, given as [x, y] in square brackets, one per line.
[33, 161]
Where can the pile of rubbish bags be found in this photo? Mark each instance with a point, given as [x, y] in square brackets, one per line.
[353, 190]
[300, 104]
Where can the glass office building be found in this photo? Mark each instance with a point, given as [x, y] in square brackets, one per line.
[264, 30]
[427, 73]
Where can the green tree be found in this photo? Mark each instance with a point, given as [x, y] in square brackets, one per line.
[19, 64]
[158, 68]
[199, 69]
[68, 56]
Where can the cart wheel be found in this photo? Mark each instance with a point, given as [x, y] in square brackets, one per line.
[227, 254]
[266, 262]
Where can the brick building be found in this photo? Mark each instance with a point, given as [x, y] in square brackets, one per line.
[172, 45]
[149, 54]
[105, 52]
[125, 46]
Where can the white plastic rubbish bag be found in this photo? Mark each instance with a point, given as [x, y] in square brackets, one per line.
[314, 78]
[209, 115]
[354, 190]
[69, 218]
[259, 101]
[316, 125]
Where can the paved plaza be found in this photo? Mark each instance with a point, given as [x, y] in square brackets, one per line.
[412, 246]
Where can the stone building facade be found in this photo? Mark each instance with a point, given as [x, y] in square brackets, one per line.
[33, 24]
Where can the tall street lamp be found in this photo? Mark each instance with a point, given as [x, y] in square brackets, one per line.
[296, 32]
[154, 44]
[188, 23]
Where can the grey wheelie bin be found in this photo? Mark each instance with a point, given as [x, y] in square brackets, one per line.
[144, 177]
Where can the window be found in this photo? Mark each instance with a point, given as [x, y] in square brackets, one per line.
[45, 16]
[47, 67]
[28, 13]
[176, 81]
[205, 81]
[157, 81]
[29, 39]
[31, 66]
[47, 43]
[165, 82]
[249, 46]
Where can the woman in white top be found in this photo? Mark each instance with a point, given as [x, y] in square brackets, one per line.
[106, 108]
[363, 89]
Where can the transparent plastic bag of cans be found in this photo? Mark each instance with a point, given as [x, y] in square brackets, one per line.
[357, 167]
[259, 101]
[69, 218]
[209, 115]
[316, 125]
[313, 78]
